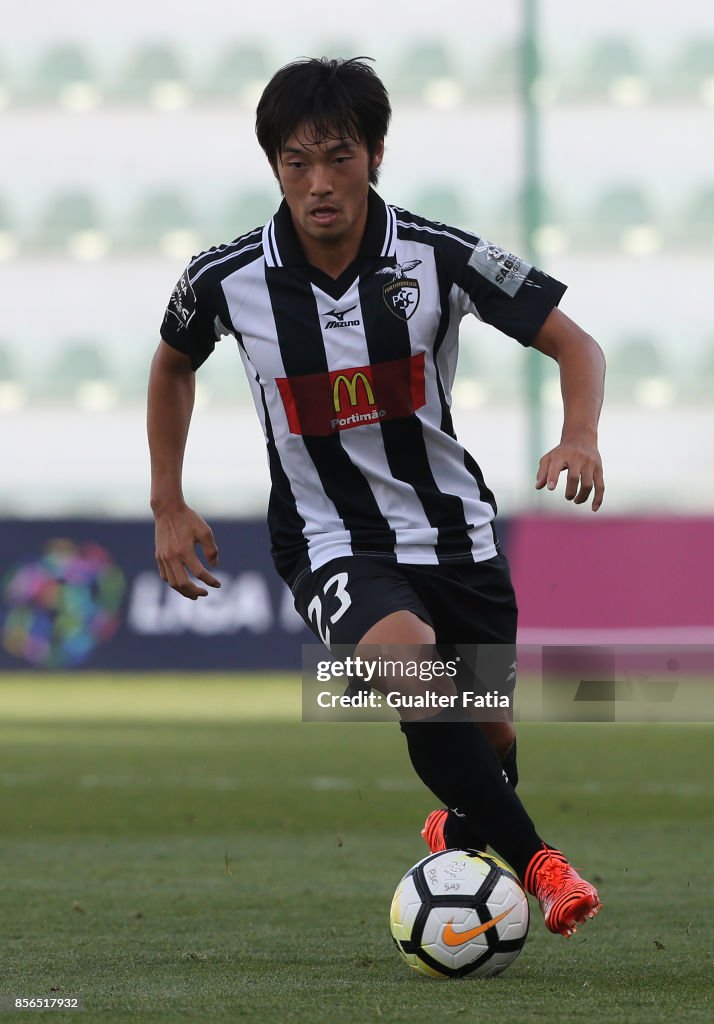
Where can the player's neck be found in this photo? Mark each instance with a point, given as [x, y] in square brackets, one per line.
[333, 255]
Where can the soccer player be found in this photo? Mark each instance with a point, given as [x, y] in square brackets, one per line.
[346, 312]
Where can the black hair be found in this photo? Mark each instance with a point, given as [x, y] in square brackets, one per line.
[337, 99]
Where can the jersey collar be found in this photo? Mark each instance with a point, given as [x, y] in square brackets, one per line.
[282, 248]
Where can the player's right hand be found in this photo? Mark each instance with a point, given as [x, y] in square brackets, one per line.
[177, 534]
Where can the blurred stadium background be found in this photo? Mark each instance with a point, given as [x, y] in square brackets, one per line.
[181, 844]
[128, 139]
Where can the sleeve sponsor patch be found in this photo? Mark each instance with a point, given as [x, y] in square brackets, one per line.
[503, 269]
[182, 303]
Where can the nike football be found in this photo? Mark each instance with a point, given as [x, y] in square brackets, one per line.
[459, 912]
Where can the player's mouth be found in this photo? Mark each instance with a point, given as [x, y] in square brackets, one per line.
[324, 214]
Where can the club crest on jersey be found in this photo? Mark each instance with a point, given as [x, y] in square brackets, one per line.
[401, 294]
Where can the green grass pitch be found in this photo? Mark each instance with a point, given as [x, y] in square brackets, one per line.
[187, 849]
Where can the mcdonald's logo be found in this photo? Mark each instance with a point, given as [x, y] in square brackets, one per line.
[351, 383]
[318, 404]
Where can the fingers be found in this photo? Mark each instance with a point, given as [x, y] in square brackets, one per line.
[178, 579]
[583, 474]
[586, 486]
[176, 538]
[549, 469]
[207, 541]
[599, 488]
[198, 569]
[571, 484]
[173, 570]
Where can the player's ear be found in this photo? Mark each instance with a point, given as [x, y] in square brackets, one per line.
[377, 156]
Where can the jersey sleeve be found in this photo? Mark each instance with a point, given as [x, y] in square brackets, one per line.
[504, 290]
[190, 320]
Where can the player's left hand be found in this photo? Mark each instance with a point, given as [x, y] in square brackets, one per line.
[581, 459]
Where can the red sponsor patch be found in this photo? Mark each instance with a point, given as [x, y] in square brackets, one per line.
[318, 404]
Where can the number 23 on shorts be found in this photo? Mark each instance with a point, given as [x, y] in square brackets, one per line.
[335, 587]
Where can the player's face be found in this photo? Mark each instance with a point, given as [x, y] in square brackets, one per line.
[326, 186]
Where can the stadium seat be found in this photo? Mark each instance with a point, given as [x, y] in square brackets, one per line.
[469, 384]
[133, 377]
[81, 373]
[691, 73]
[248, 210]
[8, 236]
[80, 359]
[552, 235]
[240, 72]
[705, 366]
[696, 225]
[698, 376]
[72, 223]
[497, 77]
[610, 70]
[165, 221]
[637, 371]
[622, 216]
[5, 89]
[426, 74]
[444, 203]
[12, 393]
[638, 356]
[64, 75]
[222, 378]
[155, 74]
[7, 362]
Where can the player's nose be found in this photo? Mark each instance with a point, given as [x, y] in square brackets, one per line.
[320, 181]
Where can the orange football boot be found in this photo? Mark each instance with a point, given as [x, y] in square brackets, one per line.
[565, 898]
[433, 831]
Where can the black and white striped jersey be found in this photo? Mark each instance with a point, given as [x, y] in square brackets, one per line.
[352, 379]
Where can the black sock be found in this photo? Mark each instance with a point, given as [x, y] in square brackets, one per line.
[459, 765]
[509, 765]
[458, 832]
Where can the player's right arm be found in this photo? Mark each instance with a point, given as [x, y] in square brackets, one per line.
[178, 528]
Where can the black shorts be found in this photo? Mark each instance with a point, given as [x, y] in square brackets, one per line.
[471, 608]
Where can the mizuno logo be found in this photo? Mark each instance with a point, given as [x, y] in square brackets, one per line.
[452, 938]
[339, 318]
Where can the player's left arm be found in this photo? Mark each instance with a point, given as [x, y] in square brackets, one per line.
[582, 379]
